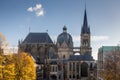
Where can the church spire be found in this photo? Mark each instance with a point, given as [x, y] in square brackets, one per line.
[85, 24]
[85, 36]
[85, 28]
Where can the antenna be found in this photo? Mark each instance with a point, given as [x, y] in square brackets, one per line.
[47, 30]
[85, 4]
[29, 29]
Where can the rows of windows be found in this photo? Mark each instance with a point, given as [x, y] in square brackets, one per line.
[75, 66]
[73, 77]
[53, 68]
[82, 69]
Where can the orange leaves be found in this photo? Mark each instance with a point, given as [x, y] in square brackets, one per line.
[17, 67]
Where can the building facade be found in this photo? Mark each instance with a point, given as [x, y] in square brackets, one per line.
[102, 53]
[57, 61]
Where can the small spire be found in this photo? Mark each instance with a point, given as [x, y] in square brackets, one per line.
[19, 42]
[85, 28]
[85, 4]
[64, 29]
[29, 29]
[47, 30]
[85, 23]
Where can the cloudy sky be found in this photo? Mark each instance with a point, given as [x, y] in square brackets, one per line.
[16, 16]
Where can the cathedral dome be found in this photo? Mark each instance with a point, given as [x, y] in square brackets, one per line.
[65, 38]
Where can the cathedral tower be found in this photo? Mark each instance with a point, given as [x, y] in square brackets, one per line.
[85, 46]
[64, 44]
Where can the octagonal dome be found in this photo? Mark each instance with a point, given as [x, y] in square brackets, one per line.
[65, 37]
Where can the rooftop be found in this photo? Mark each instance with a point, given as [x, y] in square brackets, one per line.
[38, 38]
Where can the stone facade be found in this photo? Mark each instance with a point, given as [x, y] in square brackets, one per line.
[57, 61]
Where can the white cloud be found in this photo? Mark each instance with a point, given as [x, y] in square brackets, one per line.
[99, 38]
[38, 9]
[76, 38]
[54, 38]
[40, 13]
[93, 38]
[30, 9]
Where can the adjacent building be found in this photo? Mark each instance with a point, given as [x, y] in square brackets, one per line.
[102, 52]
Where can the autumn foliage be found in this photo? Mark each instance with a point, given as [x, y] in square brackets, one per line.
[112, 65]
[17, 67]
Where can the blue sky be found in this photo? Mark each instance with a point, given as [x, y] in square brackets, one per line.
[16, 16]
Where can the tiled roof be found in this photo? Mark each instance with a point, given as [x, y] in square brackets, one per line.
[38, 38]
[85, 28]
[64, 37]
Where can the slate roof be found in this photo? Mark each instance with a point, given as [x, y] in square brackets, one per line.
[85, 28]
[84, 57]
[53, 62]
[53, 56]
[65, 37]
[38, 38]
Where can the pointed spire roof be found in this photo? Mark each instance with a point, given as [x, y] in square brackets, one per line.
[85, 23]
[85, 28]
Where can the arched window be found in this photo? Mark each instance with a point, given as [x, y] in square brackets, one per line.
[84, 70]
[73, 76]
[53, 69]
[63, 56]
[77, 76]
[77, 67]
[70, 66]
[73, 66]
[69, 76]
[59, 76]
[91, 66]
[53, 77]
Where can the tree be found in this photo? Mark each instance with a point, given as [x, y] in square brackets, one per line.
[24, 67]
[17, 67]
[8, 68]
[112, 65]
[1, 66]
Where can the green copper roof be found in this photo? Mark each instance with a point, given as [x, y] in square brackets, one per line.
[109, 48]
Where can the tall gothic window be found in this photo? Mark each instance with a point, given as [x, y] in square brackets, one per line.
[91, 66]
[70, 66]
[84, 70]
[73, 66]
[77, 67]
[63, 56]
[85, 42]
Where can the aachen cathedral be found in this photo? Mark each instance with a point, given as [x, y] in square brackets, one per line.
[57, 61]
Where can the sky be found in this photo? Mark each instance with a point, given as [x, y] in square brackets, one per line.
[17, 17]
